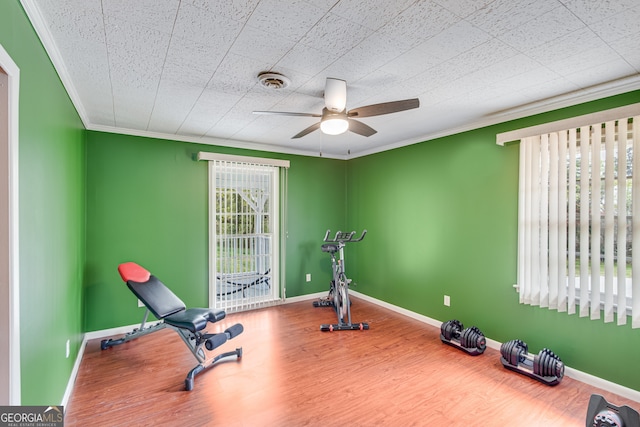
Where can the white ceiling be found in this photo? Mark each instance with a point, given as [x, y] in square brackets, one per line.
[186, 69]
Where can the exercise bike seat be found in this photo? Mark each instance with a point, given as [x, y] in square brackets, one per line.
[330, 248]
[163, 303]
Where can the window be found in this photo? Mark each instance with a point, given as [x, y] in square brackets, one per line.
[245, 241]
[579, 218]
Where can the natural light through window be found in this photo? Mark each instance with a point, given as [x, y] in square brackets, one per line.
[578, 197]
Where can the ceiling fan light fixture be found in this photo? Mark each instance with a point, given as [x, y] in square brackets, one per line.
[334, 126]
[335, 94]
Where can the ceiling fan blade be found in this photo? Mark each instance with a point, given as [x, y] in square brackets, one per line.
[287, 113]
[360, 128]
[335, 94]
[384, 108]
[307, 131]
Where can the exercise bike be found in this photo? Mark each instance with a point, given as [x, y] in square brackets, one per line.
[338, 297]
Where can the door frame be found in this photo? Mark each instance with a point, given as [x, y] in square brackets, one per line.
[9, 242]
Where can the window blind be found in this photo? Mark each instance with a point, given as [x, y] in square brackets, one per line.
[579, 219]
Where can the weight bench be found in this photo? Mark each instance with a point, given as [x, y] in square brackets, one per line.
[189, 323]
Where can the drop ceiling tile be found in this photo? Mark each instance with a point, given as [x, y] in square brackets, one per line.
[211, 106]
[609, 71]
[74, 19]
[126, 39]
[134, 71]
[158, 15]
[457, 39]
[544, 28]
[463, 8]
[256, 130]
[236, 10]
[629, 49]
[335, 35]
[498, 73]
[571, 64]
[624, 24]
[197, 59]
[133, 108]
[226, 130]
[194, 128]
[306, 60]
[501, 16]
[419, 22]
[517, 83]
[237, 74]
[292, 19]
[208, 28]
[68, 6]
[549, 89]
[185, 74]
[371, 54]
[172, 105]
[410, 64]
[377, 50]
[569, 45]
[372, 14]
[257, 44]
[481, 56]
[590, 11]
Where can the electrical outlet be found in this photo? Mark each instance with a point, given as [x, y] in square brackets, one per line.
[447, 300]
[308, 277]
[140, 303]
[68, 349]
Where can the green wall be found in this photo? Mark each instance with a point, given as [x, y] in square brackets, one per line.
[52, 215]
[148, 202]
[442, 219]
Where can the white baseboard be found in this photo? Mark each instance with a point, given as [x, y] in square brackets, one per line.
[121, 330]
[306, 297]
[591, 380]
[74, 375]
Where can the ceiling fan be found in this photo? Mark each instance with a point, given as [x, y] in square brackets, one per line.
[335, 119]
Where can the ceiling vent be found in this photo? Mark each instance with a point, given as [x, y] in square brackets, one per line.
[273, 80]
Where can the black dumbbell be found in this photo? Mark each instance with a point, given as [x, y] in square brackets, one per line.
[546, 366]
[470, 340]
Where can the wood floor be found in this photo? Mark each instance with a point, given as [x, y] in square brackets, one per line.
[398, 373]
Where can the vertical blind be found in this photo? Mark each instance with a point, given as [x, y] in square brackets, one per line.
[247, 221]
[579, 219]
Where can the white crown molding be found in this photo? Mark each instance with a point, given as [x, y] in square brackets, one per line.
[232, 143]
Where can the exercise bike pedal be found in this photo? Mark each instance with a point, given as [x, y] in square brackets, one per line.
[344, 327]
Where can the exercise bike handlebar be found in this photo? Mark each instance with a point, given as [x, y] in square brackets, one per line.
[341, 237]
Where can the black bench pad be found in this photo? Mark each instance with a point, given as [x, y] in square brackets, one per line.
[194, 319]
